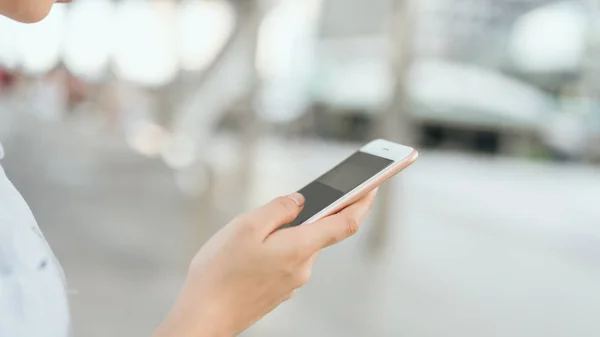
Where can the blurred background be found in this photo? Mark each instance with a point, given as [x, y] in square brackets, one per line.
[137, 128]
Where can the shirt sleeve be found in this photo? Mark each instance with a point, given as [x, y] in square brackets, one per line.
[33, 301]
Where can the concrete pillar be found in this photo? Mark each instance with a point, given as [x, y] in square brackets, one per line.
[252, 13]
[395, 120]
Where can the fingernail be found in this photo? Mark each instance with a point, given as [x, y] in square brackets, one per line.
[298, 198]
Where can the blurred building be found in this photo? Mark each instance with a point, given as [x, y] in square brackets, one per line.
[469, 30]
[327, 67]
[347, 18]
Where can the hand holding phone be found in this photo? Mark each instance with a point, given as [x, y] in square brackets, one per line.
[249, 267]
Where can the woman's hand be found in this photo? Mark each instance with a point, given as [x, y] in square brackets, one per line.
[248, 268]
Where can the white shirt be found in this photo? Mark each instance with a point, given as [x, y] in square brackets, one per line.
[33, 297]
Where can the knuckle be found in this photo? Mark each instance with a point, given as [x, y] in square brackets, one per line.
[352, 226]
[288, 205]
[303, 276]
[290, 295]
[332, 240]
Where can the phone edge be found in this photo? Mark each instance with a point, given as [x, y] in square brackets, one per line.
[365, 187]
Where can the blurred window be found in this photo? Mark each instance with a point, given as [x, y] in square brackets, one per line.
[203, 28]
[284, 59]
[39, 45]
[89, 38]
[9, 56]
[354, 73]
[551, 38]
[145, 51]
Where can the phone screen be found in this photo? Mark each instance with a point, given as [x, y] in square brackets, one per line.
[342, 179]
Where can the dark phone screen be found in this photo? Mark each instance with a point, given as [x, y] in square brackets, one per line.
[341, 180]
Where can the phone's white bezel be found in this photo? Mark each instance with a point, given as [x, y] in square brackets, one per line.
[381, 148]
[386, 149]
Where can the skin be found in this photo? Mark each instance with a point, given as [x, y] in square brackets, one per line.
[248, 268]
[28, 11]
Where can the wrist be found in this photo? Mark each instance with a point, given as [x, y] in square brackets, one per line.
[192, 317]
[180, 325]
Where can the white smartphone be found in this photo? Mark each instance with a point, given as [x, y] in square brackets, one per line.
[346, 183]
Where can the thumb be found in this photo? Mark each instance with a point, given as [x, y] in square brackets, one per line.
[278, 212]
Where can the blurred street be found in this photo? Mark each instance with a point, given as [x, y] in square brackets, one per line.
[480, 246]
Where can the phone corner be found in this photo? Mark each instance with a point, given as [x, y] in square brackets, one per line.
[415, 154]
